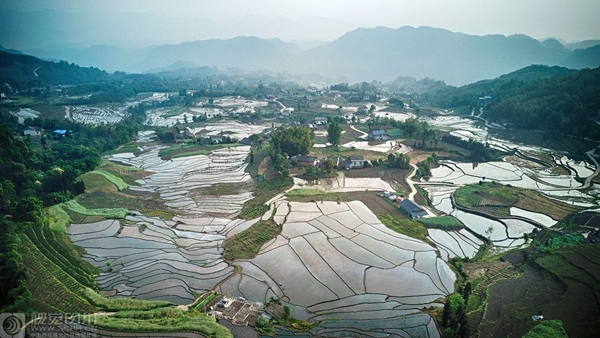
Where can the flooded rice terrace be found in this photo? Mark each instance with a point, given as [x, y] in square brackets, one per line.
[335, 263]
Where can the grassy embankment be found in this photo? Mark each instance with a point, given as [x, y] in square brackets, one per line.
[497, 199]
[405, 226]
[191, 148]
[247, 243]
[263, 192]
[447, 223]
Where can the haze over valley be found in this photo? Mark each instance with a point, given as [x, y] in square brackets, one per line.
[299, 169]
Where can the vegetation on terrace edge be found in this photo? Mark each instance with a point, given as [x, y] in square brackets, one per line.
[246, 244]
[496, 199]
[548, 329]
[444, 222]
[34, 176]
[264, 190]
[163, 319]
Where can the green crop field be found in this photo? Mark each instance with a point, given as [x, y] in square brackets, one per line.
[443, 222]
[121, 304]
[117, 181]
[405, 226]
[73, 206]
[486, 193]
[51, 287]
[170, 319]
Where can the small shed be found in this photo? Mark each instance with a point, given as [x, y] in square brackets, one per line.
[59, 133]
[412, 209]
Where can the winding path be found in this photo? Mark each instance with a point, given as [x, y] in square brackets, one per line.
[364, 135]
[589, 179]
[411, 184]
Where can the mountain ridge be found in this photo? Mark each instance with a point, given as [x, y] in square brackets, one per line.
[363, 54]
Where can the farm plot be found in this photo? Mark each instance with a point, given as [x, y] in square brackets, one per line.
[98, 115]
[26, 113]
[562, 285]
[336, 262]
[342, 183]
[176, 179]
[153, 259]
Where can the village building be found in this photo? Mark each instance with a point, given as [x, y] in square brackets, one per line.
[355, 162]
[362, 110]
[216, 139]
[378, 135]
[306, 161]
[412, 209]
[32, 131]
[320, 120]
[59, 133]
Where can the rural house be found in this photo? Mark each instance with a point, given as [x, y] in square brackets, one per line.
[216, 139]
[32, 131]
[378, 135]
[355, 162]
[320, 120]
[306, 161]
[412, 209]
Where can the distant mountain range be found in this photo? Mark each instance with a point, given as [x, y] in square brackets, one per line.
[364, 54]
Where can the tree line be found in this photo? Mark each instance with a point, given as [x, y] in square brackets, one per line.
[33, 177]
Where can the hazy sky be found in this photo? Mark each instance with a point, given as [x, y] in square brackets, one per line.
[568, 20]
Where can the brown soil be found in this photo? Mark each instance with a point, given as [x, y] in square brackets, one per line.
[589, 218]
[378, 205]
[512, 302]
[395, 177]
[533, 201]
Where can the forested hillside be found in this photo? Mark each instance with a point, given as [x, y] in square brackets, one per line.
[17, 69]
[555, 99]
[563, 104]
[35, 176]
[468, 95]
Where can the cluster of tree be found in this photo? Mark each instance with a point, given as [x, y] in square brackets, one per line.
[280, 164]
[400, 161]
[554, 99]
[479, 151]
[424, 167]
[292, 141]
[32, 177]
[31, 76]
[412, 128]
[454, 317]
[328, 167]
[396, 101]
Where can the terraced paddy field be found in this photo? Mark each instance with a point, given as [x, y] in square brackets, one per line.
[337, 263]
[330, 259]
[149, 258]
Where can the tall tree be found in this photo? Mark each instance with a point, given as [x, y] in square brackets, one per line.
[334, 133]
